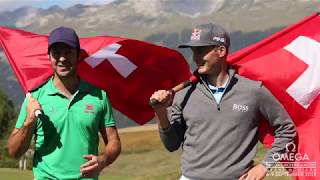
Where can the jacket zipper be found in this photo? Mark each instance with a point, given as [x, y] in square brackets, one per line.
[214, 99]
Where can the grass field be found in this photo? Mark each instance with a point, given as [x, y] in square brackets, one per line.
[143, 158]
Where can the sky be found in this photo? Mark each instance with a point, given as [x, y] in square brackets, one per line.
[9, 5]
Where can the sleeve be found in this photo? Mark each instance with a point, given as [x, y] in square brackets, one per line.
[108, 119]
[22, 115]
[173, 136]
[279, 119]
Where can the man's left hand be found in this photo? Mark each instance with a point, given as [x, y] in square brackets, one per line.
[93, 167]
[258, 172]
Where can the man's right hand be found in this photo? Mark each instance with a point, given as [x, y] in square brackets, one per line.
[20, 138]
[32, 106]
[164, 98]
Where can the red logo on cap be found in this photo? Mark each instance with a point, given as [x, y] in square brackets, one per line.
[196, 34]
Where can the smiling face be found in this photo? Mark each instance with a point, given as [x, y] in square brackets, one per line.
[64, 60]
[208, 58]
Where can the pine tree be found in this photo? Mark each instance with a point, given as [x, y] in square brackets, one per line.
[8, 116]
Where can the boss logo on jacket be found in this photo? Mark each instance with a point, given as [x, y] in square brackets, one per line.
[240, 107]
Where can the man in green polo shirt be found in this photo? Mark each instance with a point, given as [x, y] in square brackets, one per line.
[73, 113]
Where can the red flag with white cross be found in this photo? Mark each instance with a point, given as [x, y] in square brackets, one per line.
[288, 63]
[129, 70]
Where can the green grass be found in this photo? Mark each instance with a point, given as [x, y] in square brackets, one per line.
[15, 174]
[143, 158]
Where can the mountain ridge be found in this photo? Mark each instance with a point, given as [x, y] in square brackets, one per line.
[155, 16]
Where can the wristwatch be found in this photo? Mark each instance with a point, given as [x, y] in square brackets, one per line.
[267, 165]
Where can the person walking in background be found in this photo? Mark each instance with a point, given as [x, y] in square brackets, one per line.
[73, 114]
[215, 121]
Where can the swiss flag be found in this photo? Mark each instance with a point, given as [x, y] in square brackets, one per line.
[129, 70]
[288, 63]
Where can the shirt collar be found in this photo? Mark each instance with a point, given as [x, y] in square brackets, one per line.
[215, 88]
[52, 90]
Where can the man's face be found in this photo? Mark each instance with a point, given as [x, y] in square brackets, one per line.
[206, 58]
[64, 59]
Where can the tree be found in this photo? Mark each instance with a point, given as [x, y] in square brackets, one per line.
[7, 115]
